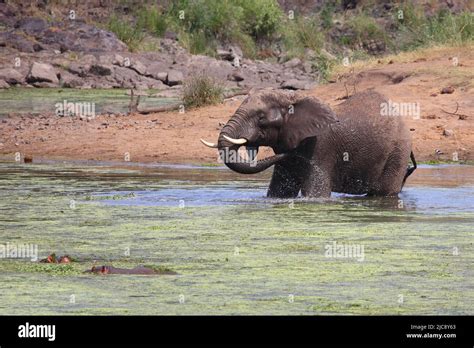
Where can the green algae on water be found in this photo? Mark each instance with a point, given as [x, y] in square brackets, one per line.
[232, 254]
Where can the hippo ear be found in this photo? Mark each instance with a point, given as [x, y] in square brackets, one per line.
[305, 119]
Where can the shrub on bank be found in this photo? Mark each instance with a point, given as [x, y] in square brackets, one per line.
[301, 33]
[366, 28]
[130, 34]
[415, 29]
[200, 90]
[153, 20]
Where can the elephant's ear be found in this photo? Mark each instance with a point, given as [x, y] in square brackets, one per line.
[303, 120]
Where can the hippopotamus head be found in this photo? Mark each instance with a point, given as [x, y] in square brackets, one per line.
[100, 269]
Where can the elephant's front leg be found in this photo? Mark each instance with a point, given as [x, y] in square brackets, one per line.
[317, 182]
[285, 183]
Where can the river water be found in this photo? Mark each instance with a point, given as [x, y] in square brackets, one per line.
[235, 251]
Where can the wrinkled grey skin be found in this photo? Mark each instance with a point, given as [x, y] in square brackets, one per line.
[352, 149]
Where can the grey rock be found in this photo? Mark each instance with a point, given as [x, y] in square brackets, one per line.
[88, 59]
[101, 69]
[448, 133]
[44, 84]
[7, 14]
[235, 76]
[162, 76]
[236, 51]
[157, 71]
[106, 59]
[448, 90]
[4, 84]
[12, 76]
[41, 72]
[231, 53]
[307, 67]
[69, 80]
[294, 84]
[32, 26]
[83, 65]
[125, 77]
[225, 54]
[118, 60]
[138, 66]
[292, 63]
[79, 36]
[19, 42]
[102, 85]
[141, 86]
[157, 84]
[79, 69]
[175, 77]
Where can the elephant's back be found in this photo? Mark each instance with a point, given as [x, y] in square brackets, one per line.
[363, 112]
[361, 105]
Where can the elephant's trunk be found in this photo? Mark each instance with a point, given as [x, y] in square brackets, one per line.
[229, 154]
[232, 159]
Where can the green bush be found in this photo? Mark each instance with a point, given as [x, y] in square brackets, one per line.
[239, 22]
[415, 29]
[301, 33]
[151, 19]
[202, 23]
[459, 29]
[201, 90]
[323, 65]
[132, 36]
[261, 18]
[215, 18]
[366, 28]
[246, 43]
[198, 43]
[326, 15]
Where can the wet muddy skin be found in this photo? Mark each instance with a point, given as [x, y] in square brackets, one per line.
[234, 251]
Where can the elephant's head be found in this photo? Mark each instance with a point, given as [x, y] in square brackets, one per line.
[281, 120]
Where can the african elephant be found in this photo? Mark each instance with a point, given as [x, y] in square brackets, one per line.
[353, 149]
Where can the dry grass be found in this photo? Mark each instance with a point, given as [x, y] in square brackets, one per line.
[434, 52]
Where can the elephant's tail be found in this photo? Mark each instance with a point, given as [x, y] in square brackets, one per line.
[410, 169]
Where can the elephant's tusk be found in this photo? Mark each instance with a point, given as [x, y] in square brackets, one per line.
[208, 144]
[235, 141]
